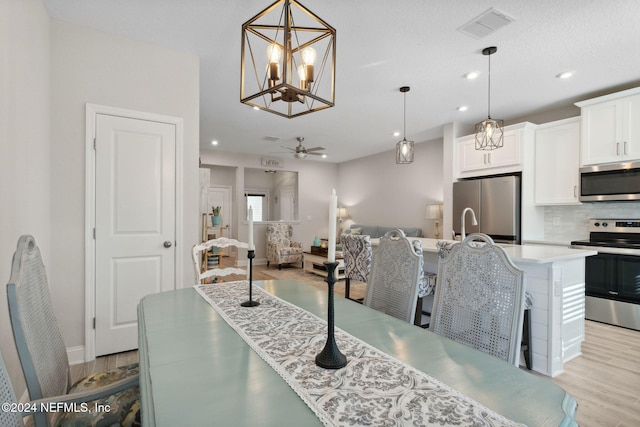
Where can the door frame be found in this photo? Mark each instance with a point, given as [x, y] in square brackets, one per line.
[91, 112]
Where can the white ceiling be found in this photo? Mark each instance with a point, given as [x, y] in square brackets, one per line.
[385, 44]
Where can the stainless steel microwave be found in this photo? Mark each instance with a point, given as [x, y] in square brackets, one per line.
[612, 182]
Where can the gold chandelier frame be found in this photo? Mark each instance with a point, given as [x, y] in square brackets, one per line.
[285, 30]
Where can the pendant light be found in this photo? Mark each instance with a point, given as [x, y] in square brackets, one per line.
[489, 133]
[404, 148]
[297, 75]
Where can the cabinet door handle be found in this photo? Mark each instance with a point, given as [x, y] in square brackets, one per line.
[575, 191]
[484, 158]
[489, 158]
[625, 148]
[613, 292]
[617, 148]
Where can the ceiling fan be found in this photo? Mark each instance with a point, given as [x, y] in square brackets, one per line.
[300, 152]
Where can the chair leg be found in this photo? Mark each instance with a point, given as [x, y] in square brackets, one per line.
[347, 287]
[417, 318]
[526, 338]
[268, 262]
[279, 266]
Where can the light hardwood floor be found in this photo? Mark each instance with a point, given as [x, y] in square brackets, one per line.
[605, 379]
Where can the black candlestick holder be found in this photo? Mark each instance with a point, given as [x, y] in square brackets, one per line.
[251, 254]
[330, 357]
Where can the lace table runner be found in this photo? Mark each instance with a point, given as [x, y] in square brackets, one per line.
[373, 389]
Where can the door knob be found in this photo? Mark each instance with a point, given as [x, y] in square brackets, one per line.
[167, 244]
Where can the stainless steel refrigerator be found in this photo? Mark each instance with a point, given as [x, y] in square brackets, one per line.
[496, 203]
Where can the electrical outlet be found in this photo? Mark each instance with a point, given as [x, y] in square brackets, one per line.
[556, 220]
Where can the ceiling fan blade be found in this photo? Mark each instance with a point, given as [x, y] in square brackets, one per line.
[314, 154]
[315, 149]
[288, 148]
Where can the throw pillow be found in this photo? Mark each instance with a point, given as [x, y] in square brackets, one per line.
[352, 231]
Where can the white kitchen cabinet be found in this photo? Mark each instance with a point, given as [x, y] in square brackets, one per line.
[557, 168]
[508, 158]
[610, 128]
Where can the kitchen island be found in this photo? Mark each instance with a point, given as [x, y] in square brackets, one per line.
[554, 276]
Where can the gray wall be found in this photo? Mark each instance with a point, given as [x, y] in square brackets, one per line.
[25, 145]
[89, 66]
[377, 191]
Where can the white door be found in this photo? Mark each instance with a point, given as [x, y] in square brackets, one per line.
[287, 199]
[135, 223]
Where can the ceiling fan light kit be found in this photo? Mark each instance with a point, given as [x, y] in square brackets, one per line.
[287, 81]
[404, 148]
[300, 152]
[489, 133]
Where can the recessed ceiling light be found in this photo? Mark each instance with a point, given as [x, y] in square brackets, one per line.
[396, 133]
[324, 156]
[214, 142]
[462, 108]
[565, 75]
[472, 75]
[255, 107]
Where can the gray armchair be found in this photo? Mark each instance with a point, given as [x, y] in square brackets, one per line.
[43, 354]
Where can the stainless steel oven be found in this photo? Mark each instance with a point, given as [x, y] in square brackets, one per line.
[612, 277]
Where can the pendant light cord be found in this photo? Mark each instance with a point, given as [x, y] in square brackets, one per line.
[404, 126]
[489, 90]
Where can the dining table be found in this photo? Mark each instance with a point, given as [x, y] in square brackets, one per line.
[197, 369]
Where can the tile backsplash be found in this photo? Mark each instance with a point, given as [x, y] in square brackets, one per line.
[567, 223]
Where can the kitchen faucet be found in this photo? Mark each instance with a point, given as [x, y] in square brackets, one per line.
[474, 221]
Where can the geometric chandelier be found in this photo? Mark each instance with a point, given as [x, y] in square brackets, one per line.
[281, 48]
[489, 133]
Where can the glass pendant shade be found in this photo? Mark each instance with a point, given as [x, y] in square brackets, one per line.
[489, 133]
[404, 152]
[404, 148]
[297, 74]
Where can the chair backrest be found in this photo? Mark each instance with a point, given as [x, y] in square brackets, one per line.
[356, 251]
[199, 258]
[8, 395]
[279, 234]
[479, 298]
[41, 348]
[396, 271]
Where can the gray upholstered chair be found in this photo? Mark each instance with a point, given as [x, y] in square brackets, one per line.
[479, 298]
[199, 253]
[396, 275]
[356, 251]
[43, 355]
[280, 248]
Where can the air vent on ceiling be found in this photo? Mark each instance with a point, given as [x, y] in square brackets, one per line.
[485, 24]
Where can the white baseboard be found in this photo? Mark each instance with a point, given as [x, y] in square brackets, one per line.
[76, 355]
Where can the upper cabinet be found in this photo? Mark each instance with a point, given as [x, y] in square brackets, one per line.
[556, 172]
[610, 128]
[472, 162]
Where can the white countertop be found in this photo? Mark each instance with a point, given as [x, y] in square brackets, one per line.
[533, 253]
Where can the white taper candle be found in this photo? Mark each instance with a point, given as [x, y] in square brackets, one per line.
[251, 246]
[333, 206]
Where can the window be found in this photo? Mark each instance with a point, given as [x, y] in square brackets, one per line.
[258, 202]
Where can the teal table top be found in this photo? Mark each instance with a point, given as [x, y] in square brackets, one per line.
[195, 370]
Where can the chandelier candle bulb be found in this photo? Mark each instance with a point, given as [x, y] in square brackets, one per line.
[333, 207]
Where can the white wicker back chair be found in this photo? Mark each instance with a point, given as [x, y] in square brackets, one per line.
[199, 259]
[43, 355]
[8, 395]
[396, 274]
[479, 298]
